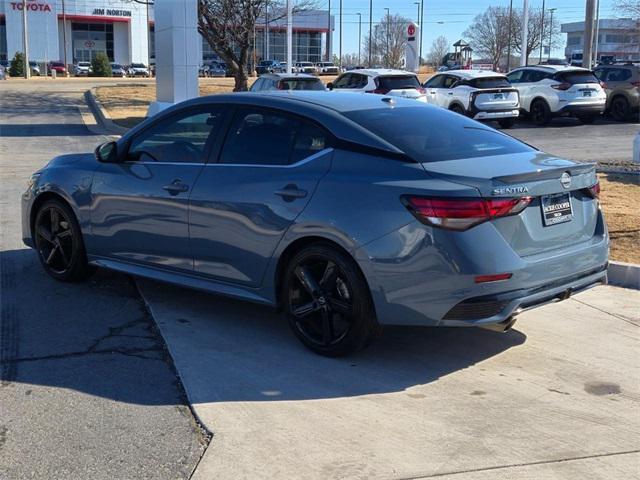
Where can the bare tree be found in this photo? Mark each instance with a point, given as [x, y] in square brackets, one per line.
[439, 48]
[630, 8]
[229, 27]
[537, 33]
[488, 34]
[388, 41]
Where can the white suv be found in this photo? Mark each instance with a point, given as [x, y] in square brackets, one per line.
[479, 94]
[548, 91]
[383, 81]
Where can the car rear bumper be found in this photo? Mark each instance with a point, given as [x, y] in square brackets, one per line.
[496, 114]
[591, 109]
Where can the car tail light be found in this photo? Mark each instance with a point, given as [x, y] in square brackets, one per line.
[602, 84]
[380, 91]
[462, 213]
[498, 277]
[421, 90]
[594, 190]
[636, 84]
[561, 86]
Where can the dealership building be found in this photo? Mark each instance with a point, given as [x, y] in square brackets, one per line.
[124, 31]
[618, 38]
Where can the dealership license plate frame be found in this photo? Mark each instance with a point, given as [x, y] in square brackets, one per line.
[557, 214]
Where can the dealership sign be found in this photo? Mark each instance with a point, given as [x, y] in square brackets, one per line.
[112, 12]
[31, 5]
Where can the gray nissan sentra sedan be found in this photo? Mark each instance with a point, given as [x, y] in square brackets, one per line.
[347, 211]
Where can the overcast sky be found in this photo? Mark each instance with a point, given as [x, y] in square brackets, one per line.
[455, 16]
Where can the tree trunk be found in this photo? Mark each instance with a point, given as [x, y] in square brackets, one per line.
[241, 79]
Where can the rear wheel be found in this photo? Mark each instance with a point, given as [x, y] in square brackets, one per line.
[457, 109]
[506, 122]
[587, 119]
[327, 301]
[540, 113]
[620, 109]
[59, 244]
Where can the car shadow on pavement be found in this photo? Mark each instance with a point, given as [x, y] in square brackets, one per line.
[229, 351]
[44, 130]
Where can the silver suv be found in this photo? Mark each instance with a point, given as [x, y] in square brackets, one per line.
[622, 85]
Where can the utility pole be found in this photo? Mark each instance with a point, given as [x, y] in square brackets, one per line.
[64, 39]
[590, 7]
[25, 42]
[421, 30]
[370, 29]
[289, 36]
[551, 10]
[266, 29]
[359, 35]
[509, 36]
[597, 34]
[542, 33]
[340, 40]
[329, 34]
[524, 57]
[149, 41]
[387, 19]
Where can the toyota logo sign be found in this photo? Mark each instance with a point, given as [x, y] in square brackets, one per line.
[411, 29]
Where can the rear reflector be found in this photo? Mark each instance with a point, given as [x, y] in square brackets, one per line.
[493, 278]
[594, 190]
[462, 213]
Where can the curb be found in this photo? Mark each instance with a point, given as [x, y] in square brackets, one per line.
[102, 117]
[625, 275]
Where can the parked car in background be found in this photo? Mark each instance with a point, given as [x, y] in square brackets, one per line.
[327, 68]
[34, 67]
[384, 81]
[268, 66]
[138, 70]
[548, 91]
[57, 67]
[284, 81]
[345, 211]
[554, 61]
[305, 67]
[622, 86]
[118, 70]
[479, 94]
[216, 69]
[82, 69]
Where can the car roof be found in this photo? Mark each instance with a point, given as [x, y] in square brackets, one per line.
[553, 68]
[387, 72]
[281, 76]
[471, 74]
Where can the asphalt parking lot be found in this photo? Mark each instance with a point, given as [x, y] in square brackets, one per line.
[90, 388]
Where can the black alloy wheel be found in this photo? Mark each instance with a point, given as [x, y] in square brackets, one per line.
[328, 302]
[540, 113]
[620, 109]
[59, 243]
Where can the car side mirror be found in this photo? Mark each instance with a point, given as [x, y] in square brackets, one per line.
[107, 152]
[330, 85]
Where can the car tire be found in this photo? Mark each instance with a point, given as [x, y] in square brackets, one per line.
[506, 122]
[587, 119]
[540, 113]
[59, 244]
[328, 302]
[457, 109]
[620, 109]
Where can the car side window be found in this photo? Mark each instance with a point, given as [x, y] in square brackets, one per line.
[618, 75]
[515, 77]
[359, 81]
[268, 137]
[534, 76]
[434, 82]
[343, 81]
[600, 74]
[180, 138]
[449, 81]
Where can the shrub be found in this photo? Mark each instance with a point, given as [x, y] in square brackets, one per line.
[16, 69]
[100, 66]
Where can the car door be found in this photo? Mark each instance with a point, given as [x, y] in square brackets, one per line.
[444, 94]
[432, 86]
[140, 205]
[243, 204]
[343, 82]
[519, 79]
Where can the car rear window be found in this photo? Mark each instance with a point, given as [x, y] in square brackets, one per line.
[431, 134]
[577, 77]
[397, 82]
[301, 84]
[489, 82]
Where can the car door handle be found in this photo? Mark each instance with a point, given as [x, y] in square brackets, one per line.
[450, 93]
[176, 187]
[290, 193]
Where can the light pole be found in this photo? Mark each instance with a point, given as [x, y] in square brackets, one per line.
[542, 33]
[64, 39]
[329, 34]
[419, 25]
[370, 29]
[387, 19]
[359, 35]
[597, 33]
[509, 36]
[289, 36]
[340, 40]
[524, 57]
[25, 41]
[551, 10]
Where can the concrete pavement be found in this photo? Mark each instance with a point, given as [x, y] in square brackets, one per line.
[87, 389]
[557, 397]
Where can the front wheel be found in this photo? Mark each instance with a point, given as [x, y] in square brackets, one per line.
[506, 122]
[620, 109]
[540, 113]
[327, 301]
[59, 244]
